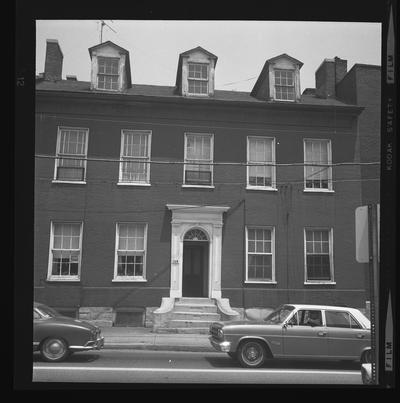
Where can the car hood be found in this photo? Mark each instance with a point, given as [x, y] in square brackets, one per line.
[65, 320]
[235, 323]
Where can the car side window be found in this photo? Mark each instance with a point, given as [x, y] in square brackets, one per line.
[310, 317]
[354, 324]
[338, 319]
[294, 320]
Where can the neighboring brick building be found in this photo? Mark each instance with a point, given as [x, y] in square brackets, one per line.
[146, 193]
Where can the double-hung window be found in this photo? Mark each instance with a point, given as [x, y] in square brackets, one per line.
[135, 157]
[198, 169]
[65, 251]
[71, 154]
[284, 85]
[260, 263]
[130, 263]
[318, 255]
[317, 165]
[198, 78]
[261, 162]
[108, 73]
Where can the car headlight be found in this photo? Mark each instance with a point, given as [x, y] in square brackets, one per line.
[220, 333]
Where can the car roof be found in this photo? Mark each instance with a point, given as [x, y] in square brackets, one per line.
[310, 306]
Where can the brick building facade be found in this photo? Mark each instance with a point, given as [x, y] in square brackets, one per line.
[145, 194]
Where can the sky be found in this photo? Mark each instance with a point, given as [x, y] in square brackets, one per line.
[242, 47]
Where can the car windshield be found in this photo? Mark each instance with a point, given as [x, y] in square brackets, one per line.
[47, 312]
[279, 315]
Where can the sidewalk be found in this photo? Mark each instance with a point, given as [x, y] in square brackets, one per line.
[141, 338]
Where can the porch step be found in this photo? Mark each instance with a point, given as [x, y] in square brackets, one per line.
[193, 308]
[194, 300]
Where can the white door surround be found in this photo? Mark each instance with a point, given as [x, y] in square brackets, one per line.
[209, 220]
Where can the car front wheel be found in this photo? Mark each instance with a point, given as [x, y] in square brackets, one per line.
[251, 354]
[54, 349]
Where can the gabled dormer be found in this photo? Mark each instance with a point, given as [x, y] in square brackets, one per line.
[196, 73]
[110, 68]
[279, 80]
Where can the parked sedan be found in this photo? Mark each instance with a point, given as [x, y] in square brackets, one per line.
[296, 331]
[57, 336]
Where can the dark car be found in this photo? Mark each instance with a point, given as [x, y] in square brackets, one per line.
[296, 331]
[57, 336]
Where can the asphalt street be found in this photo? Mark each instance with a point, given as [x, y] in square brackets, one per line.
[140, 366]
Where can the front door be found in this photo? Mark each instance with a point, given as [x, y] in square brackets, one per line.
[195, 265]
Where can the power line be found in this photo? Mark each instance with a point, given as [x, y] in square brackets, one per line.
[190, 162]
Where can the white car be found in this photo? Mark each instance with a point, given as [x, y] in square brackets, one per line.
[296, 331]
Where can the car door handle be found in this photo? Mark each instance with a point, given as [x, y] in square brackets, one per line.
[360, 336]
[321, 334]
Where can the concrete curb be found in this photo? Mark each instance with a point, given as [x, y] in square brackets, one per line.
[153, 347]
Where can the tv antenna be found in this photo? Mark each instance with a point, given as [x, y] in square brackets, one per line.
[103, 23]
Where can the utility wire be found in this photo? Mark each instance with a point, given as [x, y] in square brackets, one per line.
[137, 160]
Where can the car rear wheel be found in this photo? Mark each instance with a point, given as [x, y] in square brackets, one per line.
[366, 357]
[251, 354]
[54, 349]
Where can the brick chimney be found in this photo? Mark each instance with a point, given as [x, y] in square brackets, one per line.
[328, 74]
[54, 61]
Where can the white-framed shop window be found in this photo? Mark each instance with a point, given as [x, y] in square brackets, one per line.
[261, 163]
[130, 252]
[317, 165]
[198, 168]
[135, 155]
[260, 255]
[71, 153]
[318, 255]
[65, 251]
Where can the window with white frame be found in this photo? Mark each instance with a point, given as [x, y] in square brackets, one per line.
[130, 251]
[284, 85]
[198, 78]
[135, 156]
[71, 154]
[317, 164]
[260, 247]
[318, 255]
[65, 251]
[107, 73]
[261, 162]
[198, 159]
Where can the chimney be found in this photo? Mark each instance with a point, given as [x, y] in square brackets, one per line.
[54, 60]
[328, 74]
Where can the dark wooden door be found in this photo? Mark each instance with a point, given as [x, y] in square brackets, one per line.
[195, 260]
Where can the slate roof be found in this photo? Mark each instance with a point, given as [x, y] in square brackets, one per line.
[169, 92]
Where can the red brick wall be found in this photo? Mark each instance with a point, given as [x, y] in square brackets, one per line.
[101, 203]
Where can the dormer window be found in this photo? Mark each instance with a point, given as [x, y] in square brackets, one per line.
[284, 85]
[108, 76]
[110, 70]
[279, 80]
[198, 78]
[196, 73]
